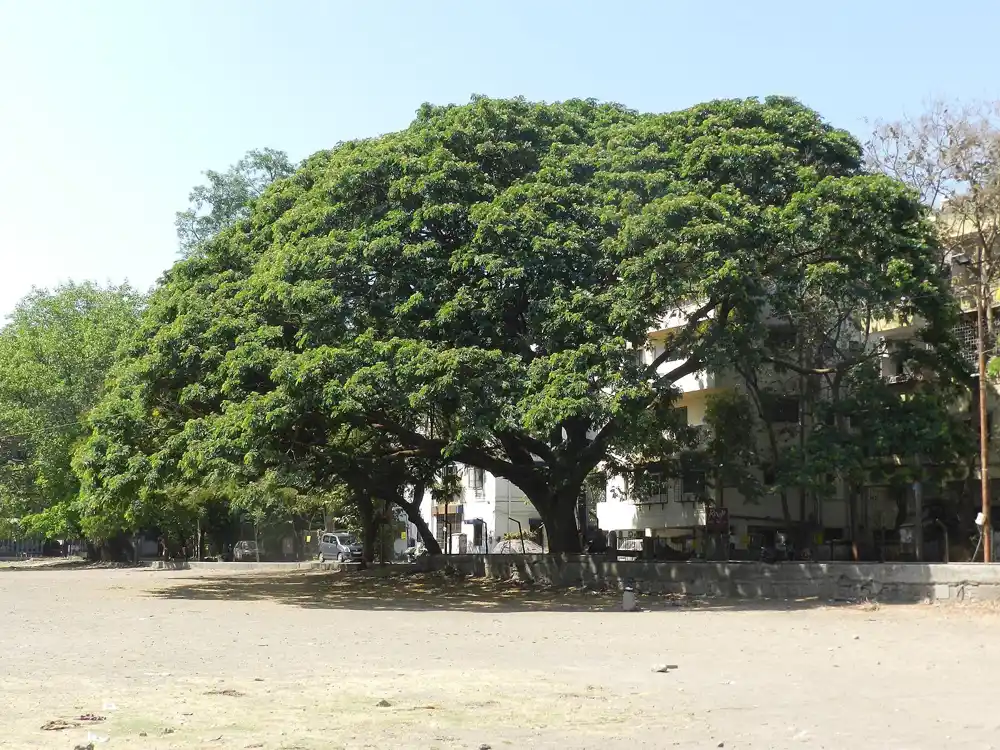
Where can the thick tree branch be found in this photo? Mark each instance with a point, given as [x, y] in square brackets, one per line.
[412, 510]
[836, 369]
[576, 429]
[694, 363]
[473, 456]
[525, 445]
[411, 453]
[694, 319]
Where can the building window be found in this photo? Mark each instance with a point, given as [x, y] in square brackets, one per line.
[695, 483]
[770, 475]
[781, 340]
[477, 478]
[966, 333]
[447, 527]
[657, 487]
[781, 409]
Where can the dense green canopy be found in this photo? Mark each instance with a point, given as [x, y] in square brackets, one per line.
[55, 352]
[476, 286]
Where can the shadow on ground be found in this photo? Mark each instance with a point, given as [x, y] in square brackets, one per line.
[46, 565]
[430, 592]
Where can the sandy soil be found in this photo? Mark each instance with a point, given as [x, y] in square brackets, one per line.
[178, 660]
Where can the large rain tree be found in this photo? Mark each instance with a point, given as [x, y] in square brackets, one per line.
[475, 288]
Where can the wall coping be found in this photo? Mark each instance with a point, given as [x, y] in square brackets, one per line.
[903, 573]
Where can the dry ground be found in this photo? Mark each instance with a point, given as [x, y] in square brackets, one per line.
[308, 658]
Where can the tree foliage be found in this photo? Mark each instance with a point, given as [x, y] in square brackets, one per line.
[732, 454]
[475, 288]
[55, 353]
[227, 196]
[950, 155]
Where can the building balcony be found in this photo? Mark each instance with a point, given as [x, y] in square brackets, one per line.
[698, 381]
[652, 513]
[702, 380]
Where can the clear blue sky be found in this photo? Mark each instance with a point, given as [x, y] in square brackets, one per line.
[110, 109]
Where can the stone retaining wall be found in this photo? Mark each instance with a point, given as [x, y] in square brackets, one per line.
[833, 581]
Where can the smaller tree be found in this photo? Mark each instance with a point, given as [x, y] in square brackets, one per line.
[731, 444]
[265, 501]
[228, 196]
[874, 434]
[950, 155]
[55, 353]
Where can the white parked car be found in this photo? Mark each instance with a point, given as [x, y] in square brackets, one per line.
[247, 551]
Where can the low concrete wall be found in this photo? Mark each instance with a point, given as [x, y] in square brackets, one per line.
[246, 567]
[889, 582]
[832, 581]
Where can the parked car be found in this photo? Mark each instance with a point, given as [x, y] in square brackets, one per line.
[413, 553]
[247, 551]
[341, 546]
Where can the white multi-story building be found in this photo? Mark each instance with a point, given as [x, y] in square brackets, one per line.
[486, 508]
[677, 511]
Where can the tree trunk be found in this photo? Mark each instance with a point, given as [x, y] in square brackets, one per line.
[559, 514]
[386, 542]
[772, 439]
[853, 495]
[116, 549]
[773, 446]
[899, 497]
[563, 535]
[846, 482]
[412, 510]
[369, 529]
[297, 552]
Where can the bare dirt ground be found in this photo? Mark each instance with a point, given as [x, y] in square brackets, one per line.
[181, 660]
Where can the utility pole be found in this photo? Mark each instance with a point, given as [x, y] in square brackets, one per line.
[984, 432]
